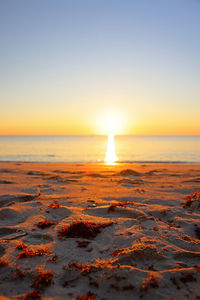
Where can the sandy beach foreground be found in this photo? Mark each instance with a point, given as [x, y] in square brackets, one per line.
[86, 231]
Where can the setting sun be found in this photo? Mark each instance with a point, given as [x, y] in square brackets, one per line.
[111, 122]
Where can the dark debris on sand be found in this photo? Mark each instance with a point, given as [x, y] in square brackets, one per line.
[82, 230]
[45, 224]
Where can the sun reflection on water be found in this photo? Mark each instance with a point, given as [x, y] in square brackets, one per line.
[111, 157]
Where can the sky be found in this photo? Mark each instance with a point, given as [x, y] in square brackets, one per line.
[64, 65]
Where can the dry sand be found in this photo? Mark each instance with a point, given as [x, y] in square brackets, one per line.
[150, 250]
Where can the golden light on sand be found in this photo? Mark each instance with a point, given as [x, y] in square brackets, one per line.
[111, 157]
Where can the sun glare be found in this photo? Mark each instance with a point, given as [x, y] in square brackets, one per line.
[111, 121]
[111, 157]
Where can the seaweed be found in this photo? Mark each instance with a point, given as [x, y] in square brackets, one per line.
[4, 263]
[82, 230]
[150, 281]
[43, 279]
[53, 259]
[82, 244]
[84, 268]
[55, 204]
[19, 273]
[45, 224]
[30, 253]
[197, 267]
[121, 204]
[191, 198]
[21, 246]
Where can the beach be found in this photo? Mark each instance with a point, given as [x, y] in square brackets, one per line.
[97, 231]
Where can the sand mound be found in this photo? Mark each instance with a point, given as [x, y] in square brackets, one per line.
[120, 212]
[139, 252]
[129, 172]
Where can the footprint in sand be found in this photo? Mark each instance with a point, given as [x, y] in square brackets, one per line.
[31, 191]
[13, 215]
[8, 233]
[36, 173]
[6, 182]
[37, 239]
[61, 180]
[141, 255]
[131, 182]
[195, 180]
[115, 212]
[187, 255]
[16, 198]
[59, 213]
[7, 171]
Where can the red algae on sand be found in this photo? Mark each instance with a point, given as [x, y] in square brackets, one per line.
[31, 253]
[195, 197]
[197, 267]
[82, 230]
[88, 296]
[43, 279]
[120, 204]
[21, 246]
[19, 273]
[55, 204]
[4, 263]
[150, 281]
[45, 224]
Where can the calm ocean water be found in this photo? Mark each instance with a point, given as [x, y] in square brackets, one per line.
[178, 149]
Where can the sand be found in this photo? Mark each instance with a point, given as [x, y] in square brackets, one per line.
[135, 236]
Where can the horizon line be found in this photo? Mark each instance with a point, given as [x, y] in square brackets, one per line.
[144, 135]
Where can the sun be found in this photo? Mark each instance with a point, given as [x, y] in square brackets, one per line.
[110, 122]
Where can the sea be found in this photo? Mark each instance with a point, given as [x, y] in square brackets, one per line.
[92, 149]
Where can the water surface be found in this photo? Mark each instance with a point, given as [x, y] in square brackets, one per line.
[181, 149]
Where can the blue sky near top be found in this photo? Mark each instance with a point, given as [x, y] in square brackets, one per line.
[64, 64]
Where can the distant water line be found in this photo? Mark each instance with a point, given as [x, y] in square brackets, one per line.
[85, 149]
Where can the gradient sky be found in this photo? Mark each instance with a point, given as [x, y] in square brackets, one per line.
[64, 63]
